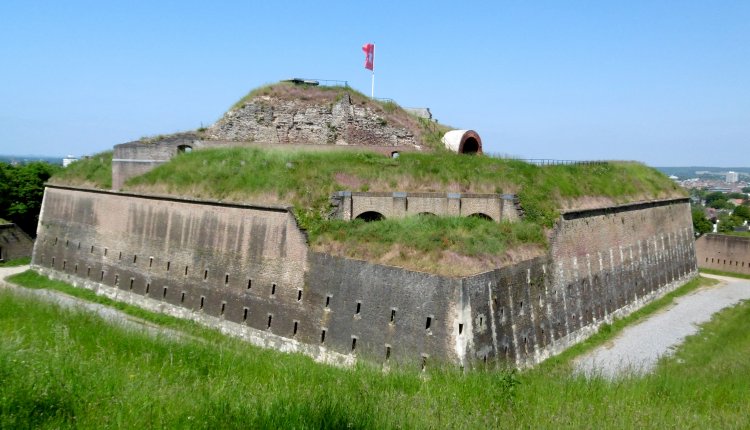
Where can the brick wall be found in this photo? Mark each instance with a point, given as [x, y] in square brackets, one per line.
[723, 252]
[248, 271]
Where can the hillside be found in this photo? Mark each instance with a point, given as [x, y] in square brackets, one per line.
[305, 180]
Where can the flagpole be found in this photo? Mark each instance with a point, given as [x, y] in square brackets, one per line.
[372, 93]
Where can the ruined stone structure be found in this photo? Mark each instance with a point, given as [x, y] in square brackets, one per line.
[14, 242]
[270, 120]
[371, 205]
[723, 252]
[248, 270]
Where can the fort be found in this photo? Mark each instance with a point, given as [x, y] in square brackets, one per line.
[724, 252]
[250, 268]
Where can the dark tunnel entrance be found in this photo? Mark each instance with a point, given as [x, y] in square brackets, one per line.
[370, 216]
[470, 146]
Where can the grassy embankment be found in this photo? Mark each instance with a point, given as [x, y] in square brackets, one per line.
[95, 171]
[724, 273]
[306, 180]
[16, 262]
[64, 369]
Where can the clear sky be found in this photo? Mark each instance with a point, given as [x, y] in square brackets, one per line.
[663, 82]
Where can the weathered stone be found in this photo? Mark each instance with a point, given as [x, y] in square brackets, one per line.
[275, 121]
[248, 270]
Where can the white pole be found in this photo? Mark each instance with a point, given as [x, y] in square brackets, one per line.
[372, 93]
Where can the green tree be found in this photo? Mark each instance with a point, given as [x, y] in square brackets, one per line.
[727, 223]
[21, 192]
[701, 224]
[746, 190]
[742, 212]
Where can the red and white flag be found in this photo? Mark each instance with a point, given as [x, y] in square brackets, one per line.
[369, 50]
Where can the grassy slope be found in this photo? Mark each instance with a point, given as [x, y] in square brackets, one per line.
[62, 369]
[306, 180]
[95, 171]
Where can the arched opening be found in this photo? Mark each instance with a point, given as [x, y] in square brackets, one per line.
[481, 216]
[463, 141]
[184, 149]
[394, 154]
[470, 146]
[370, 216]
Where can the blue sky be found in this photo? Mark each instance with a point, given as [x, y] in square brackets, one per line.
[663, 82]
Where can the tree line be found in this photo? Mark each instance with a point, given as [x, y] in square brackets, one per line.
[21, 192]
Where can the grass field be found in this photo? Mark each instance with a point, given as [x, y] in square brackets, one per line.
[64, 369]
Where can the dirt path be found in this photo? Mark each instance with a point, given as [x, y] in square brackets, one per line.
[638, 347]
[63, 300]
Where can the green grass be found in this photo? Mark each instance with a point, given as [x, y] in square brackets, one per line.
[16, 262]
[95, 171]
[423, 241]
[66, 369]
[307, 179]
[725, 273]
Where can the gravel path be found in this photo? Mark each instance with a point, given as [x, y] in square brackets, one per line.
[107, 313]
[638, 348]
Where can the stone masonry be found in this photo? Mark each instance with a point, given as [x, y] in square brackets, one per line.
[275, 121]
[248, 270]
[723, 252]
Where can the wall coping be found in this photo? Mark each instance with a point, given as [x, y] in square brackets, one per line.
[271, 208]
[402, 194]
[580, 213]
[720, 236]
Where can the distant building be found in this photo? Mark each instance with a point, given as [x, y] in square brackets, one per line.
[732, 177]
[69, 159]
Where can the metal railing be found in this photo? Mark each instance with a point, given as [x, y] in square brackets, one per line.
[549, 161]
[323, 82]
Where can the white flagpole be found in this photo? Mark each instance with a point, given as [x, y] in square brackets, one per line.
[372, 93]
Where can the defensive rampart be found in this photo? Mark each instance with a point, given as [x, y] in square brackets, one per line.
[723, 252]
[136, 158]
[247, 270]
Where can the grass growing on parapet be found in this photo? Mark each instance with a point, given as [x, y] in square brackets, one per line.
[609, 331]
[94, 171]
[16, 262]
[428, 242]
[306, 179]
[725, 273]
[67, 369]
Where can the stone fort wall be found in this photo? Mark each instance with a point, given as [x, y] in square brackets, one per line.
[247, 270]
[723, 252]
[14, 242]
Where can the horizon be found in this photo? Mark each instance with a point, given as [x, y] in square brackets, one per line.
[662, 84]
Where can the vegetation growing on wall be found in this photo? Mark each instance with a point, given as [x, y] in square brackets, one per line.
[306, 180]
[94, 171]
[426, 131]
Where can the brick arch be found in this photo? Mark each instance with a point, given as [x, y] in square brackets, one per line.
[482, 216]
[368, 216]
